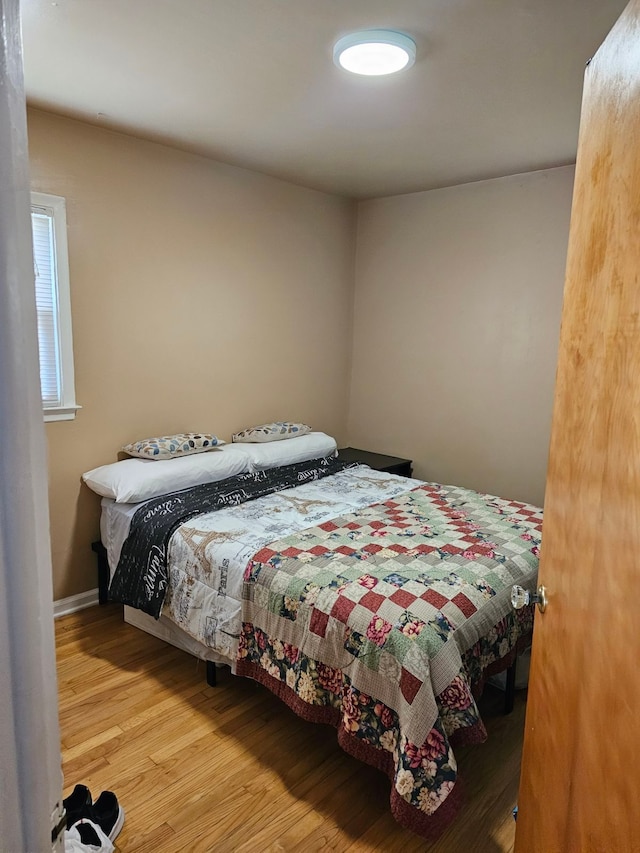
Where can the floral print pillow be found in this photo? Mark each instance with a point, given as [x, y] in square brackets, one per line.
[271, 432]
[170, 446]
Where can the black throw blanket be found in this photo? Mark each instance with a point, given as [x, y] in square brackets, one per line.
[141, 578]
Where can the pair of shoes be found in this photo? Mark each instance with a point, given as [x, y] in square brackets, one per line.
[106, 812]
[87, 837]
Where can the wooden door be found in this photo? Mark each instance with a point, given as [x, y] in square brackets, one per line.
[580, 784]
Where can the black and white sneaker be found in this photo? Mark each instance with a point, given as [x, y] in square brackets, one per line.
[87, 837]
[76, 804]
[107, 813]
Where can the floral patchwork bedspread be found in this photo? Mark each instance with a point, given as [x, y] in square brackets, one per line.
[382, 620]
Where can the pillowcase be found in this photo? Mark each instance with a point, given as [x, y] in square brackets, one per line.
[170, 446]
[271, 432]
[134, 480]
[316, 445]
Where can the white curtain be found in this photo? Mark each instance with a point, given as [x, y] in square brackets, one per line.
[29, 736]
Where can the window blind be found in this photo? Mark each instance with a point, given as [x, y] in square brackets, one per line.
[44, 258]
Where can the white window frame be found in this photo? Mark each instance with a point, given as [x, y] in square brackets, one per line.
[55, 207]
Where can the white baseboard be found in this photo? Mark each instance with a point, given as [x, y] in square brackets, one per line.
[75, 602]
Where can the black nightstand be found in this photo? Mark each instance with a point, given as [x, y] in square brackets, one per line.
[379, 461]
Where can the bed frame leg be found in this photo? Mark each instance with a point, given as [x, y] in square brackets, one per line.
[510, 689]
[103, 572]
[212, 678]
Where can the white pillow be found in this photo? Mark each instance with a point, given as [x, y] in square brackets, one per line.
[134, 480]
[274, 454]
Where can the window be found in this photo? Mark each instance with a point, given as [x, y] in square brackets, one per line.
[53, 304]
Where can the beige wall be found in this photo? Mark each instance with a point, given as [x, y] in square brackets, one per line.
[456, 324]
[204, 297]
[207, 297]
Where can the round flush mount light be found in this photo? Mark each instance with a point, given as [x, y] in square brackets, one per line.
[374, 52]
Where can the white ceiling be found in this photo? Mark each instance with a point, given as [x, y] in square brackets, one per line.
[495, 89]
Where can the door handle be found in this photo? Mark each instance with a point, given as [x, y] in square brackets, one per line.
[520, 597]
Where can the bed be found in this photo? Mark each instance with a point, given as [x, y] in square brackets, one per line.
[376, 603]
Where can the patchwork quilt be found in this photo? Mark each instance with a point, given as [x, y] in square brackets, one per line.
[381, 621]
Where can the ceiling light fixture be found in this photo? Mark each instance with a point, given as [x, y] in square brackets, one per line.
[374, 52]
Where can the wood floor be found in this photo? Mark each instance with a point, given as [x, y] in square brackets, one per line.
[230, 768]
